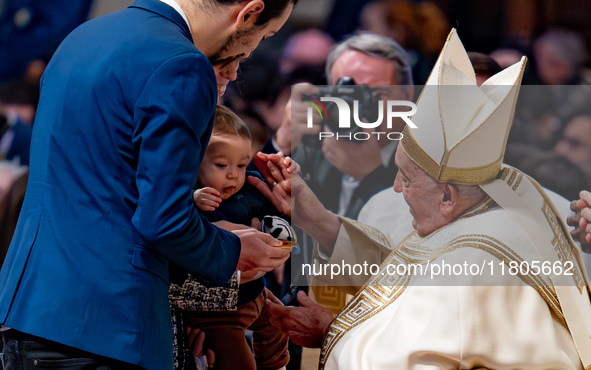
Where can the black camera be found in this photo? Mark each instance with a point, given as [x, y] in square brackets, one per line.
[347, 90]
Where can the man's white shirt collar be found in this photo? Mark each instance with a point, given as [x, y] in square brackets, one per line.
[178, 8]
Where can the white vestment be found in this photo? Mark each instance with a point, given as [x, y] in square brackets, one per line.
[408, 322]
[388, 212]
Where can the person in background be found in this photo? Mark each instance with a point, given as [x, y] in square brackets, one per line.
[346, 173]
[419, 27]
[559, 56]
[484, 66]
[575, 143]
[308, 48]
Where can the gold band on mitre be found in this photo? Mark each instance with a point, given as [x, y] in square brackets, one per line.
[460, 176]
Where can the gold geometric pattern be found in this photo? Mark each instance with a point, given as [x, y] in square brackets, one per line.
[562, 245]
[367, 303]
[329, 297]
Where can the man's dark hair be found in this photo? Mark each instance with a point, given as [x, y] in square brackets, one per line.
[273, 8]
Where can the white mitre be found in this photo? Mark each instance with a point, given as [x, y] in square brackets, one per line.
[462, 127]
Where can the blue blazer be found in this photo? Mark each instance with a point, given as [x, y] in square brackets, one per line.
[124, 118]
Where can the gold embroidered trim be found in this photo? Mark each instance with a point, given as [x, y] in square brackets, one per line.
[368, 302]
[417, 154]
[505, 173]
[561, 241]
[454, 175]
[516, 185]
[512, 176]
[562, 245]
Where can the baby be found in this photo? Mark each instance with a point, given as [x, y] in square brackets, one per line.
[223, 195]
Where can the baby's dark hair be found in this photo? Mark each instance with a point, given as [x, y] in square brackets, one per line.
[227, 122]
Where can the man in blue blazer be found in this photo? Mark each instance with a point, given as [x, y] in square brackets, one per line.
[123, 121]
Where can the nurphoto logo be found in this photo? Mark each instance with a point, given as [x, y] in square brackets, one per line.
[347, 110]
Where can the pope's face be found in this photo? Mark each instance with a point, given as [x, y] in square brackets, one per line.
[422, 193]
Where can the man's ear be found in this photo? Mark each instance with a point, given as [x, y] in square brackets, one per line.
[449, 202]
[249, 14]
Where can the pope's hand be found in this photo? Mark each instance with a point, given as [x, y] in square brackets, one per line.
[304, 325]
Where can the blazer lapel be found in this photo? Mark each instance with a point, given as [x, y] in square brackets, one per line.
[165, 10]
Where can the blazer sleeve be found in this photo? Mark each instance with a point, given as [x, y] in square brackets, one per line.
[172, 125]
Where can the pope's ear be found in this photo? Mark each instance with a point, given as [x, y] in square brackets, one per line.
[449, 201]
[249, 14]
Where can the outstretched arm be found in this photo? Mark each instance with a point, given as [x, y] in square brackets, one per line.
[294, 198]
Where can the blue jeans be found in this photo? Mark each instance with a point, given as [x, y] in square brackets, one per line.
[23, 352]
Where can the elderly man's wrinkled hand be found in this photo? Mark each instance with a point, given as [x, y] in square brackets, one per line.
[304, 325]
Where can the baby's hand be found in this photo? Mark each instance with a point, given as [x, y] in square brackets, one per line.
[292, 167]
[207, 199]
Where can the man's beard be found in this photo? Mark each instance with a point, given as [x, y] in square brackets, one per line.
[235, 37]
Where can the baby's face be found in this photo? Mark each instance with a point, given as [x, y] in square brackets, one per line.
[224, 164]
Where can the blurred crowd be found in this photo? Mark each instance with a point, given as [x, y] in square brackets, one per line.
[551, 135]
[548, 120]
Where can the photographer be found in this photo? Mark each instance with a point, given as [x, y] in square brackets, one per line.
[350, 170]
[344, 173]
